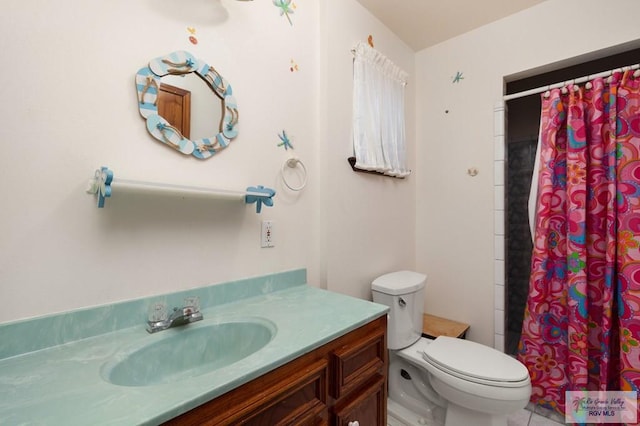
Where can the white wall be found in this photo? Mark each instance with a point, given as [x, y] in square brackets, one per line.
[70, 107]
[456, 244]
[369, 220]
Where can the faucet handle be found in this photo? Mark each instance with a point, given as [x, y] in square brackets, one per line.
[157, 312]
[191, 308]
[192, 302]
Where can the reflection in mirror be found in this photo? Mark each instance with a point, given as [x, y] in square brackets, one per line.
[174, 105]
[188, 105]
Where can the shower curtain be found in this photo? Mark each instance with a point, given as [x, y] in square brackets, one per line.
[581, 329]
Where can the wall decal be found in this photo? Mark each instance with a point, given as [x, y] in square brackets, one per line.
[285, 7]
[285, 141]
[293, 67]
[192, 37]
[370, 40]
[458, 77]
[101, 184]
[265, 197]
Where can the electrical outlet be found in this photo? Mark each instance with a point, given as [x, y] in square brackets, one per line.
[266, 239]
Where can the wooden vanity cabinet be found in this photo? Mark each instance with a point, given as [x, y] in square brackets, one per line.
[367, 407]
[359, 370]
[341, 382]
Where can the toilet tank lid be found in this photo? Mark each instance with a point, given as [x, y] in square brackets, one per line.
[400, 282]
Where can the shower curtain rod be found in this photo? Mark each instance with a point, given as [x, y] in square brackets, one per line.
[572, 81]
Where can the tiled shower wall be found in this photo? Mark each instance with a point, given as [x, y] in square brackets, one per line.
[512, 243]
[520, 160]
[499, 224]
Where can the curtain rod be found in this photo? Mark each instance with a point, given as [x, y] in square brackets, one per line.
[571, 81]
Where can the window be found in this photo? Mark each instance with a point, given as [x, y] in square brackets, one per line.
[378, 113]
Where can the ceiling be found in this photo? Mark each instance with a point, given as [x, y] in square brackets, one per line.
[424, 23]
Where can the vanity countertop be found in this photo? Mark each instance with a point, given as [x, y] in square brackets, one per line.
[62, 384]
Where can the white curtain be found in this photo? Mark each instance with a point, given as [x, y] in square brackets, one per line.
[378, 113]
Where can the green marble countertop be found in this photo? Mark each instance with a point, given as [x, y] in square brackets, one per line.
[62, 384]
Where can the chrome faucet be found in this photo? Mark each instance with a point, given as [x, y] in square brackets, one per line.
[159, 320]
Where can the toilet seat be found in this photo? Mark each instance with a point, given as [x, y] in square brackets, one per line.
[474, 362]
[483, 395]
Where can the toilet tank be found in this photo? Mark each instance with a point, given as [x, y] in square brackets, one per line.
[403, 293]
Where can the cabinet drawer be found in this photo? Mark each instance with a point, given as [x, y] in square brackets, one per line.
[301, 402]
[295, 394]
[368, 406]
[354, 363]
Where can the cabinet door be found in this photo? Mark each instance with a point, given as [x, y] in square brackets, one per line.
[367, 406]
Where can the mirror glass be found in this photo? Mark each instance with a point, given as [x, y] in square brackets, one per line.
[187, 104]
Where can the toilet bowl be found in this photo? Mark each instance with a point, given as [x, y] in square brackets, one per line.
[412, 401]
[470, 382]
[481, 385]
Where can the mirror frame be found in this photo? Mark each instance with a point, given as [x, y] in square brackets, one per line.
[148, 80]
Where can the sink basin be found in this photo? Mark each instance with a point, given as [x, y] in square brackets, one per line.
[188, 351]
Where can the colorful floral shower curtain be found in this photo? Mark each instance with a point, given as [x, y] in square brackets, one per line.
[581, 329]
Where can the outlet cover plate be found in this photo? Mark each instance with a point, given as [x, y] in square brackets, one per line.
[266, 235]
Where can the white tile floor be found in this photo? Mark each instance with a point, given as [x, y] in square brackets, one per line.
[530, 416]
[535, 416]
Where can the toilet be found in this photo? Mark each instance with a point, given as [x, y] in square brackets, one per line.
[444, 381]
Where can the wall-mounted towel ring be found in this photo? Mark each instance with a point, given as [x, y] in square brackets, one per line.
[293, 163]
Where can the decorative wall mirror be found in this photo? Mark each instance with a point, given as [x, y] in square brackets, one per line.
[179, 113]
